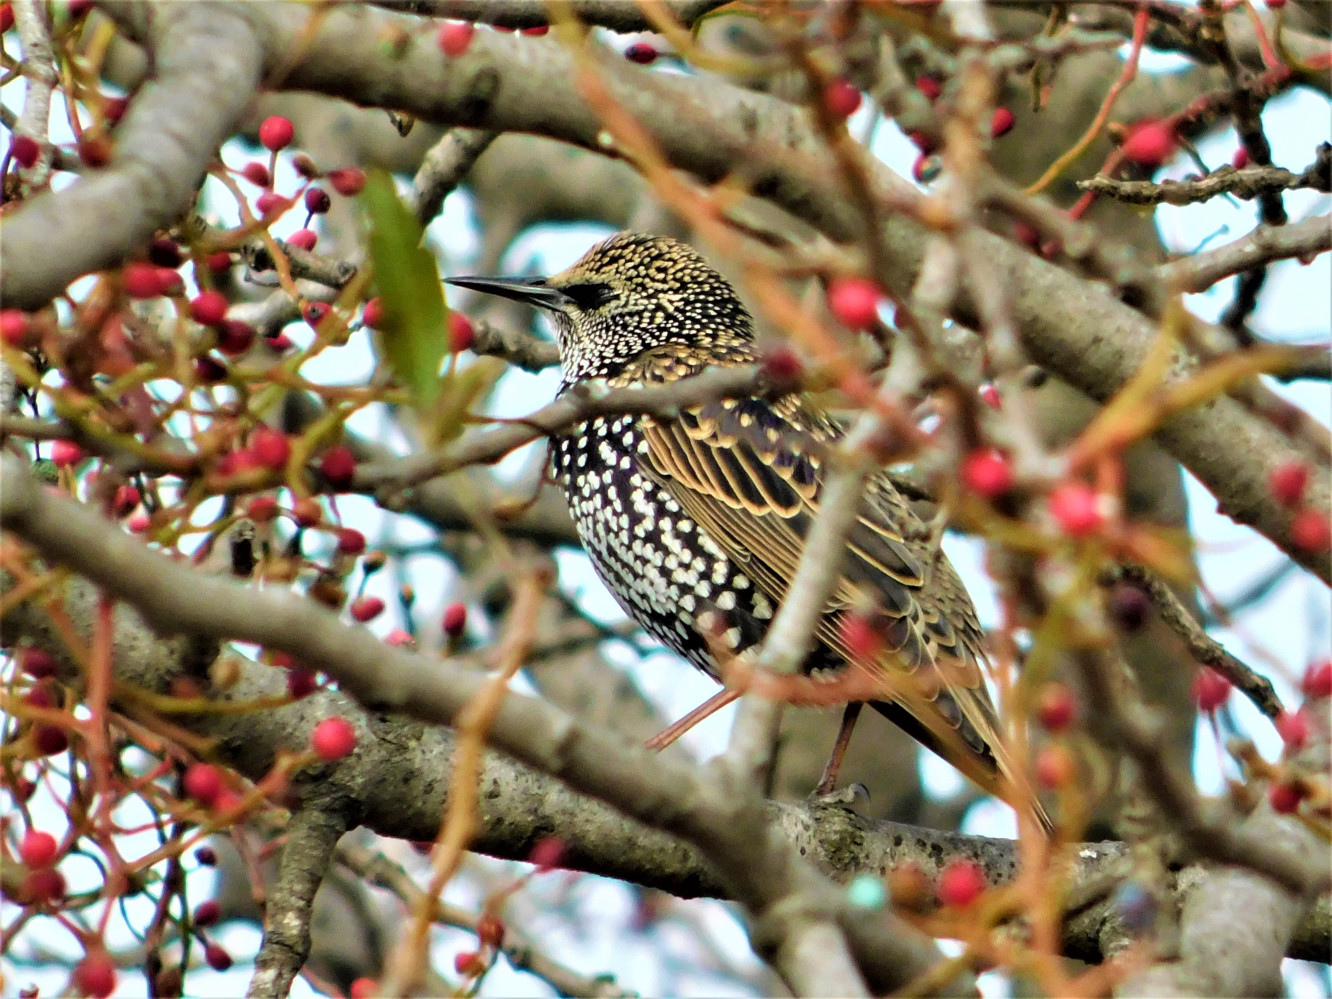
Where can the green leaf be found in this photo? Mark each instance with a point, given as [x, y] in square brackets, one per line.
[415, 316]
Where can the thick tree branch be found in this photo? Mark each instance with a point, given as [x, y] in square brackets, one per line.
[312, 836]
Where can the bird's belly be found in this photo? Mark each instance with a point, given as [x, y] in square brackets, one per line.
[662, 568]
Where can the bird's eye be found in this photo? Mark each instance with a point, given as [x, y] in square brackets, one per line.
[590, 295]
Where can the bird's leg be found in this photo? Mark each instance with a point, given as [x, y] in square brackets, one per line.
[709, 707]
[829, 779]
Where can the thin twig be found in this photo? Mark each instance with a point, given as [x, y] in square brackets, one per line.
[1201, 645]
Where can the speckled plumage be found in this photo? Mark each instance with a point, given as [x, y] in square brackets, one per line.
[707, 512]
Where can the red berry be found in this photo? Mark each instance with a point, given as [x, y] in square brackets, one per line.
[490, 930]
[38, 663]
[363, 988]
[961, 883]
[42, 695]
[96, 975]
[366, 608]
[45, 884]
[1129, 606]
[303, 239]
[226, 801]
[170, 281]
[114, 109]
[219, 262]
[536, 29]
[307, 511]
[641, 53]
[49, 740]
[207, 913]
[374, 312]
[1054, 767]
[209, 308]
[1311, 531]
[1317, 682]
[862, 640]
[854, 302]
[546, 853]
[348, 181]
[37, 848]
[270, 447]
[1288, 481]
[1076, 507]
[1210, 690]
[398, 638]
[67, 454]
[209, 369]
[461, 334]
[141, 279]
[350, 541]
[95, 148]
[455, 619]
[257, 174]
[988, 472]
[279, 344]
[261, 509]
[14, 327]
[782, 365]
[930, 87]
[317, 201]
[6, 16]
[455, 37]
[338, 466]
[333, 738]
[140, 523]
[1057, 708]
[841, 98]
[927, 167]
[989, 394]
[924, 141]
[1285, 798]
[315, 313]
[468, 963]
[124, 501]
[301, 682]
[202, 782]
[276, 132]
[25, 150]
[234, 337]
[1293, 727]
[1275, 4]
[214, 953]
[270, 205]
[1149, 143]
[1001, 122]
[1241, 158]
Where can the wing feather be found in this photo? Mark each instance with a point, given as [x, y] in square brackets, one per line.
[748, 473]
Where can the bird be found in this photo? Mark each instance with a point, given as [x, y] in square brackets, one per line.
[700, 517]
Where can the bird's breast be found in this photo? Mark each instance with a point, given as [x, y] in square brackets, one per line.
[662, 568]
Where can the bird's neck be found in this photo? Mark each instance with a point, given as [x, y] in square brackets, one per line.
[666, 362]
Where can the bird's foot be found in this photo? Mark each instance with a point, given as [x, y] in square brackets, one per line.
[852, 795]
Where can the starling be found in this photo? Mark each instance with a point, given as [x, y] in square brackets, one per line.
[706, 513]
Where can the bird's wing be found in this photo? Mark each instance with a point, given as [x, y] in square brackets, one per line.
[749, 472]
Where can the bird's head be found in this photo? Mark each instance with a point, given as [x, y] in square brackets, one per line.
[627, 295]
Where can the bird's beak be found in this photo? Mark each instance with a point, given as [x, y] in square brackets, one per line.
[529, 291]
